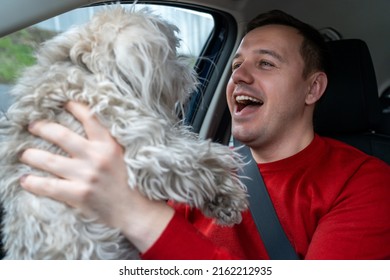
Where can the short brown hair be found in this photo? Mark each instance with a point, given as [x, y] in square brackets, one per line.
[313, 49]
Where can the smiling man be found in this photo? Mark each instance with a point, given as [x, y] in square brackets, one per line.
[269, 71]
[332, 200]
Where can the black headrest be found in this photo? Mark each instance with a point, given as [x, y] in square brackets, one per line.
[350, 103]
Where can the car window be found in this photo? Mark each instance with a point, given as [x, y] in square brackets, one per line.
[17, 49]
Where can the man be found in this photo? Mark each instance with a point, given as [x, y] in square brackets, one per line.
[332, 200]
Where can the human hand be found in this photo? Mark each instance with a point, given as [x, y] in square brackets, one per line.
[93, 178]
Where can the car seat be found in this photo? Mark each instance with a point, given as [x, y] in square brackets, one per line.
[349, 110]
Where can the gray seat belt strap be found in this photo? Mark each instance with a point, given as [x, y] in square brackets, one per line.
[274, 238]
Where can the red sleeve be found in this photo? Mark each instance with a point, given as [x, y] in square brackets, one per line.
[358, 224]
[181, 241]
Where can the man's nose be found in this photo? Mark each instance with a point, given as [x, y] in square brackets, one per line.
[242, 74]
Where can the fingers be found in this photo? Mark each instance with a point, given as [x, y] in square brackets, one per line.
[71, 142]
[92, 127]
[54, 188]
[84, 178]
[61, 166]
[63, 137]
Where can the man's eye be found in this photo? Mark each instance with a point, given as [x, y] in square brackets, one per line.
[235, 66]
[267, 64]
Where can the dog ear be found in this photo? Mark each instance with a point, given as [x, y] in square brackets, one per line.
[146, 53]
[145, 56]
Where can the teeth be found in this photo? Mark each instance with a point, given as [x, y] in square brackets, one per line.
[244, 98]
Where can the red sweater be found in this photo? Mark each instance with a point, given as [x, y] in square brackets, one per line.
[332, 200]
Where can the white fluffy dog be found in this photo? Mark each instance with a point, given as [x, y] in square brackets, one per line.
[124, 65]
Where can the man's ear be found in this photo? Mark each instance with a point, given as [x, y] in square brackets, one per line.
[318, 83]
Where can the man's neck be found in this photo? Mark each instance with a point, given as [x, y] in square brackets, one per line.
[281, 148]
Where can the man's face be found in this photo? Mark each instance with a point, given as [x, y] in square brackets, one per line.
[266, 92]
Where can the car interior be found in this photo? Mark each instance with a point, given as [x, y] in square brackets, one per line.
[352, 109]
[356, 106]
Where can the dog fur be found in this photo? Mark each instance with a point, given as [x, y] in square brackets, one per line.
[123, 64]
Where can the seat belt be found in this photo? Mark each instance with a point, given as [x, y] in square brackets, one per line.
[274, 238]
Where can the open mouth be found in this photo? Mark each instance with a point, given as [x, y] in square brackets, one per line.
[244, 101]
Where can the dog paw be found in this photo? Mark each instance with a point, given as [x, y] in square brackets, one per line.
[225, 211]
